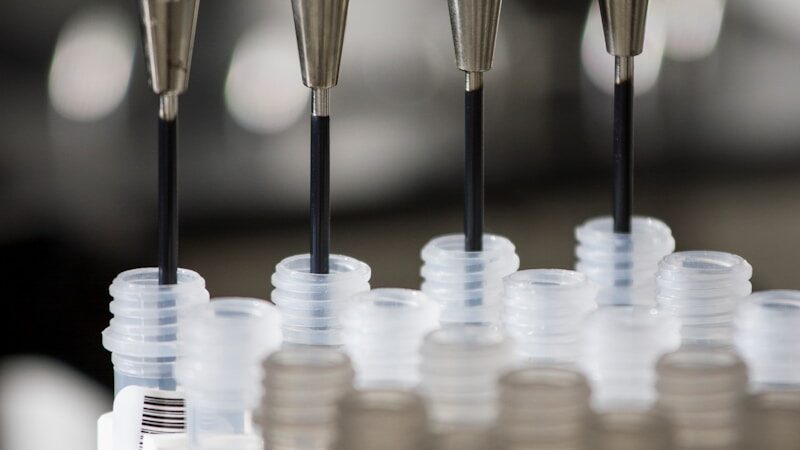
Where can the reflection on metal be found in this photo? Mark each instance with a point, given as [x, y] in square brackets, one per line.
[624, 26]
[168, 28]
[91, 67]
[320, 26]
[599, 68]
[474, 24]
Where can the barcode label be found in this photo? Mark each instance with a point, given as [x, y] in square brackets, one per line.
[162, 414]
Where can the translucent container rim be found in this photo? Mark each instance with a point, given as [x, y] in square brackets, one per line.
[450, 247]
[297, 269]
[699, 265]
[144, 281]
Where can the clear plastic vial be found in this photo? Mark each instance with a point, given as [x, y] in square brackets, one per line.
[544, 313]
[312, 304]
[702, 392]
[768, 336]
[143, 334]
[460, 369]
[302, 390]
[543, 408]
[383, 419]
[631, 430]
[468, 285]
[619, 349]
[383, 333]
[772, 420]
[703, 290]
[223, 344]
[624, 266]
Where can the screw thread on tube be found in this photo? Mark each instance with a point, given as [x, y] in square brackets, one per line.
[703, 291]
[383, 331]
[302, 389]
[544, 312]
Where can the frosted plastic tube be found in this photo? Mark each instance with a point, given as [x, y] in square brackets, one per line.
[223, 344]
[302, 389]
[543, 408]
[468, 285]
[460, 369]
[143, 334]
[631, 430]
[383, 333]
[619, 349]
[702, 391]
[772, 421]
[703, 290]
[383, 419]
[624, 266]
[768, 336]
[544, 313]
[312, 304]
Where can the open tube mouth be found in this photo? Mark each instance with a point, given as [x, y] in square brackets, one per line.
[704, 266]
[341, 269]
[145, 282]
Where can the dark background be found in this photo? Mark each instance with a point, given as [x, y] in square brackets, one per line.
[718, 134]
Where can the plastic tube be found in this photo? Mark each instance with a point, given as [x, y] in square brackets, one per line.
[624, 266]
[142, 336]
[302, 389]
[630, 430]
[620, 347]
[312, 304]
[768, 336]
[223, 344]
[460, 369]
[468, 285]
[383, 419]
[703, 290]
[544, 313]
[702, 393]
[543, 408]
[772, 421]
[383, 332]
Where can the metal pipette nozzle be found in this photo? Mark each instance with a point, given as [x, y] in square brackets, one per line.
[168, 28]
[474, 24]
[624, 26]
[320, 26]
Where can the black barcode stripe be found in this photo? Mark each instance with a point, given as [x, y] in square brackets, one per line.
[162, 416]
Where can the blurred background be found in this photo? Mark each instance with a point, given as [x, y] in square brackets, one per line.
[718, 140]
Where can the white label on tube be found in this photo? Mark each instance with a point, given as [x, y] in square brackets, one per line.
[141, 411]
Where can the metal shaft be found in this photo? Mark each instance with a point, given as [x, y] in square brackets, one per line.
[320, 208]
[168, 193]
[623, 145]
[473, 163]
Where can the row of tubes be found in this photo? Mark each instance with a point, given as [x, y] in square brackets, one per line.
[639, 345]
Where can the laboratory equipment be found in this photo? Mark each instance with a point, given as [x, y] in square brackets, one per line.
[703, 290]
[302, 389]
[619, 349]
[474, 24]
[631, 430]
[771, 421]
[320, 26]
[702, 392]
[143, 334]
[460, 368]
[468, 285]
[383, 332]
[312, 304]
[383, 419]
[624, 27]
[623, 266]
[222, 346]
[168, 28]
[543, 408]
[768, 337]
[544, 310]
